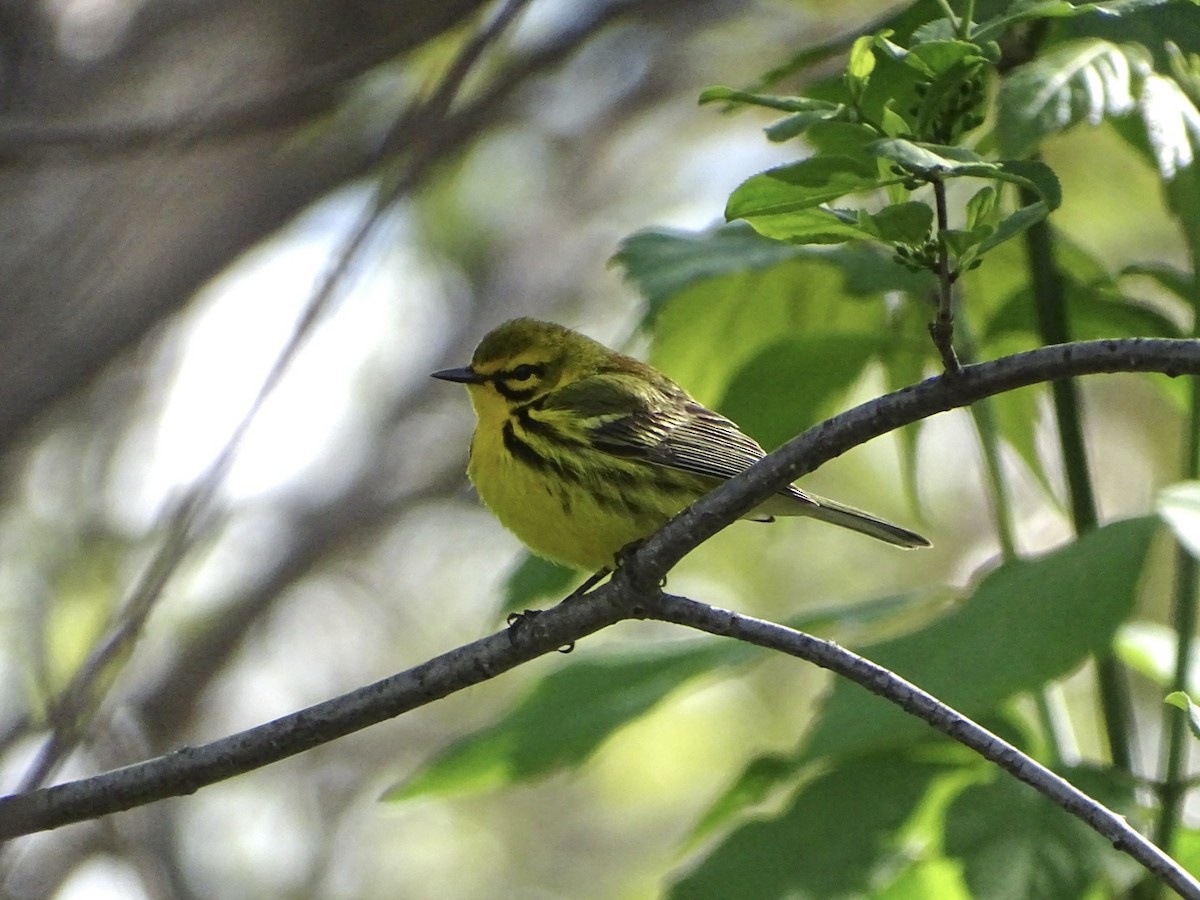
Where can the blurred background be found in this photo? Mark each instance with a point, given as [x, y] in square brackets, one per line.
[178, 181]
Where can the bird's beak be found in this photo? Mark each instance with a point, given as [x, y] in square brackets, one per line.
[465, 375]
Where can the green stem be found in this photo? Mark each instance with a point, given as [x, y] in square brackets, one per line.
[985, 425]
[964, 25]
[984, 417]
[949, 11]
[941, 329]
[1050, 304]
[1174, 784]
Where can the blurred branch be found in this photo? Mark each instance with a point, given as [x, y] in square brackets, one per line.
[634, 592]
[306, 96]
[71, 712]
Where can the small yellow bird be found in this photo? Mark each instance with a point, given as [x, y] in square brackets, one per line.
[580, 450]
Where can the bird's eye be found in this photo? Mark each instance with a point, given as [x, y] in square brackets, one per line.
[523, 372]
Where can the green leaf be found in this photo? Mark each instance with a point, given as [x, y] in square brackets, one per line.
[766, 775]
[1028, 622]
[1033, 174]
[1019, 413]
[1170, 278]
[930, 159]
[566, 717]
[1149, 649]
[782, 389]
[762, 777]
[797, 123]
[811, 226]
[936, 161]
[981, 208]
[1179, 507]
[833, 290]
[934, 58]
[1182, 701]
[1015, 844]
[800, 186]
[1186, 849]
[924, 879]
[838, 831]
[860, 66]
[535, 579]
[661, 262]
[1092, 314]
[901, 223]
[1172, 124]
[1010, 226]
[1061, 9]
[1081, 81]
[743, 312]
[849, 139]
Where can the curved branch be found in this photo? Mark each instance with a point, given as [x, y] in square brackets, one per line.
[913, 700]
[634, 592]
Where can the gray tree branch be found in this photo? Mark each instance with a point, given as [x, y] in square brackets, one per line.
[634, 592]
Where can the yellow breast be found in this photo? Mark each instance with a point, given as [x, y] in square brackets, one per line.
[581, 522]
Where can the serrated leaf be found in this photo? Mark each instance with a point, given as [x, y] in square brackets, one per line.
[1081, 81]
[1028, 622]
[1172, 124]
[1015, 844]
[937, 30]
[823, 845]
[565, 718]
[1059, 9]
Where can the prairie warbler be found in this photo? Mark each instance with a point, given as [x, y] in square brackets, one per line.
[580, 450]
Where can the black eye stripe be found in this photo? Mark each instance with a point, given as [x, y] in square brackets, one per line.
[519, 383]
[523, 372]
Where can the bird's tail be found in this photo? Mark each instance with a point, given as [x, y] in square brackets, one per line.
[862, 522]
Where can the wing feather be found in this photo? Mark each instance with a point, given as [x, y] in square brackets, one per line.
[660, 423]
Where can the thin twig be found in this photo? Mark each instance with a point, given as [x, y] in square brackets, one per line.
[941, 329]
